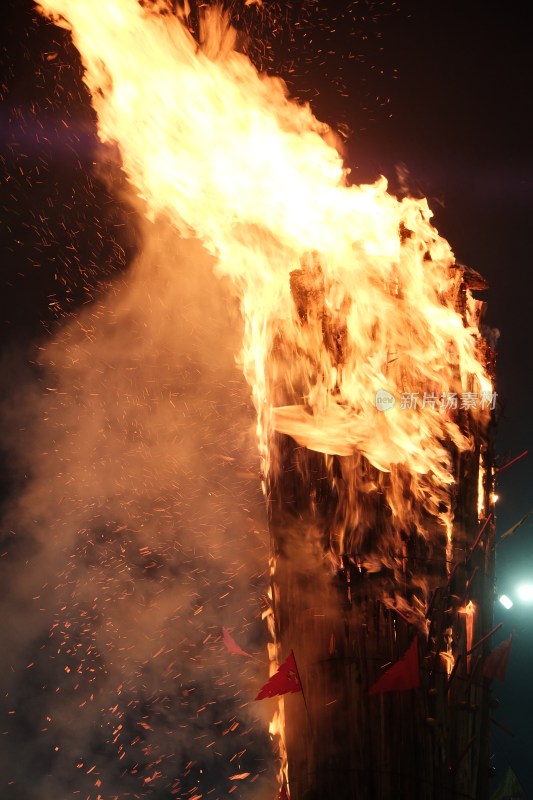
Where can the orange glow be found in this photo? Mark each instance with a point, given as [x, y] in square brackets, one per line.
[276, 730]
[470, 612]
[448, 660]
[480, 492]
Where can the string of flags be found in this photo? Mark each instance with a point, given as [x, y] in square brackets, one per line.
[402, 676]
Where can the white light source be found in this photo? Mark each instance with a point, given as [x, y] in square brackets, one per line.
[525, 592]
[506, 601]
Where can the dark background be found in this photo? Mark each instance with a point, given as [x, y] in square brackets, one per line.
[436, 94]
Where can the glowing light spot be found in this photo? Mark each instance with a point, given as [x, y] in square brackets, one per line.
[525, 592]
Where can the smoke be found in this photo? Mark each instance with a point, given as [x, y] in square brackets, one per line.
[135, 530]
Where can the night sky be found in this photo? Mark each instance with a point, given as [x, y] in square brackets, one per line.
[435, 95]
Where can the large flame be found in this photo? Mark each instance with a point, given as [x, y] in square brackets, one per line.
[228, 157]
[346, 291]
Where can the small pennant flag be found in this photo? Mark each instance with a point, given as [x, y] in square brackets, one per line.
[232, 645]
[510, 788]
[517, 525]
[495, 665]
[285, 680]
[403, 675]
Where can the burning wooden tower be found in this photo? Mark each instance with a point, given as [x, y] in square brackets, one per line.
[355, 588]
[373, 389]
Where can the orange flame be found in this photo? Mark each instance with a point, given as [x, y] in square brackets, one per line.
[469, 611]
[223, 152]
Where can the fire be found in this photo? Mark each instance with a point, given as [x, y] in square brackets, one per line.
[348, 294]
[222, 152]
[276, 730]
[469, 611]
[480, 492]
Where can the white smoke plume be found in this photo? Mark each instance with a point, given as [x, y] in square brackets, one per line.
[137, 532]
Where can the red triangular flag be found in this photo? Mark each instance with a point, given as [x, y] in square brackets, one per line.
[285, 680]
[403, 675]
[495, 665]
[232, 645]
